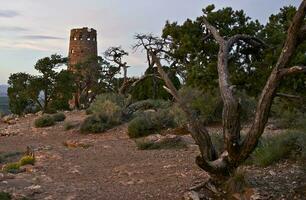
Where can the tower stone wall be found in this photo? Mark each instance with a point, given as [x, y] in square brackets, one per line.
[83, 45]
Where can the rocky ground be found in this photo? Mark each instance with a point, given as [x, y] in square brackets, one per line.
[109, 166]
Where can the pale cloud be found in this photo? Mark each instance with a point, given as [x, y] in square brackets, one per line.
[42, 37]
[8, 13]
[12, 29]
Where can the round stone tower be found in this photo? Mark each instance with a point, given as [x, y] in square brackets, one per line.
[83, 45]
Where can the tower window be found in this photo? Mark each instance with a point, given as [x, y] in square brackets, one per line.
[88, 38]
[74, 38]
[72, 51]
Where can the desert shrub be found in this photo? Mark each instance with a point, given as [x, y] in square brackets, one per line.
[107, 103]
[12, 167]
[1, 114]
[288, 115]
[148, 88]
[165, 144]
[44, 121]
[137, 108]
[179, 116]
[150, 123]
[58, 117]
[283, 146]
[207, 105]
[69, 125]
[27, 160]
[99, 123]
[5, 196]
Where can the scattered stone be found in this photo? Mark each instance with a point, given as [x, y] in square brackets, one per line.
[192, 195]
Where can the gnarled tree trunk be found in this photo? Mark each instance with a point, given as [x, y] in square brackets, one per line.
[236, 150]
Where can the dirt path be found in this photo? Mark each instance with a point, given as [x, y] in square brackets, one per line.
[112, 168]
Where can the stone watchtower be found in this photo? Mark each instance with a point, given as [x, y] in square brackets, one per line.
[82, 47]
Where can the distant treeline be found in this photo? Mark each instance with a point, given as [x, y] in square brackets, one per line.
[4, 104]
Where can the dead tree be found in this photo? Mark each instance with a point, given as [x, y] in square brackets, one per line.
[238, 150]
[116, 54]
[149, 42]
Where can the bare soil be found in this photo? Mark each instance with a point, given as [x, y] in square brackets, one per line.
[109, 166]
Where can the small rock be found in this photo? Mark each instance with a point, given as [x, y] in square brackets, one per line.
[192, 195]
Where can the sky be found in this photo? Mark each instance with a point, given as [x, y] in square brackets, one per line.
[33, 29]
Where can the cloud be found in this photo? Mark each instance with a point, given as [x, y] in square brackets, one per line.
[13, 28]
[8, 13]
[42, 37]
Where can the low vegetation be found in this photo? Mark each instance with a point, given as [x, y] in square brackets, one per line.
[5, 196]
[44, 121]
[106, 113]
[150, 123]
[283, 146]
[14, 167]
[58, 117]
[70, 125]
[27, 160]
[143, 144]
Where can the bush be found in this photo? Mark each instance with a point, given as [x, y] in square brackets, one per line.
[286, 115]
[108, 103]
[150, 123]
[165, 144]
[69, 125]
[12, 167]
[207, 105]
[5, 196]
[98, 123]
[58, 117]
[273, 149]
[44, 121]
[27, 160]
[106, 112]
[138, 107]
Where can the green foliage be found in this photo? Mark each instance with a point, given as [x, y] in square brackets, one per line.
[208, 106]
[140, 106]
[12, 167]
[44, 121]
[22, 92]
[69, 125]
[98, 123]
[276, 148]
[179, 116]
[58, 117]
[288, 115]
[106, 112]
[143, 144]
[63, 90]
[27, 160]
[57, 87]
[150, 123]
[151, 87]
[197, 56]
[5, 196]
[108, 103]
